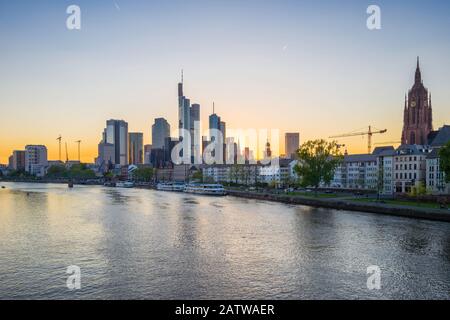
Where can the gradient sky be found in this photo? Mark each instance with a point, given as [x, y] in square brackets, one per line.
[306, 66]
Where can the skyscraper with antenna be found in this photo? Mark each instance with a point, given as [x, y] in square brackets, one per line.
[184, 112]
[189, 122]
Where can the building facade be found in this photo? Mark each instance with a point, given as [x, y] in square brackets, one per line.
[435, 178]
[18, 160]
[410, 167]
[135, 148]
[36, 161]
[386, 171]
[116, 133]
[291, 144]
[160, 131]
[106, 154]
[147, 153]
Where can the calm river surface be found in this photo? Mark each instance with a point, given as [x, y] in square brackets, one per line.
[143, 244]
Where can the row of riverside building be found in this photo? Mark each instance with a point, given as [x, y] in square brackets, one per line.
[391, 171]
[387, 170]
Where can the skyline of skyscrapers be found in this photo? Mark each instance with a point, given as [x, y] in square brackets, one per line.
[119, 147]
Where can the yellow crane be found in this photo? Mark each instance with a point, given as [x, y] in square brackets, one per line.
[368, 133]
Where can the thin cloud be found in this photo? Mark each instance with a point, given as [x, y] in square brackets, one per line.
[117, 6]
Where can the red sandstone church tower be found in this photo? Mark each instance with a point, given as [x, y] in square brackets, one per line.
[418, 115]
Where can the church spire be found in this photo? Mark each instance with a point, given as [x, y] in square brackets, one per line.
[418, 72]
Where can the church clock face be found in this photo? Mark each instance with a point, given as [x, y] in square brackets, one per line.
[413, 104]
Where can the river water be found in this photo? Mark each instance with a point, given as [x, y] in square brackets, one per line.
[144, 244]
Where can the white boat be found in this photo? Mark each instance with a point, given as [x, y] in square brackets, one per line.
[206, 189]
[176, 187]
[126, 184]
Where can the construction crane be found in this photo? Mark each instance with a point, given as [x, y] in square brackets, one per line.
[67, 154]
[79, 150]
[369, 134]
[59, 138]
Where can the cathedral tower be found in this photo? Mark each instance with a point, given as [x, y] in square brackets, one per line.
[418, 116]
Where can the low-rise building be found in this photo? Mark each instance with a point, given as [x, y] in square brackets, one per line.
[36, 160]
[435, 178]
[275, 175]
[410, 167]
[246, 174]
[385, 159]
[358, 171]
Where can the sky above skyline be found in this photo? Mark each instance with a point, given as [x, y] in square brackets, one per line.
[298, 66]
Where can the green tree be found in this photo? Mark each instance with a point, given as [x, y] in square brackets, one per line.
[143, 174]
[198, 176]
[81, 172]
[235, 173]
[318, 160]
[444, 161]
[57, 171]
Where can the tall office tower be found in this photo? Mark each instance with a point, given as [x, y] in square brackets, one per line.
[169, 144]
[196, 143]
[214, 123]
[135, 148]
[184, 109]
[116, 133]
[291, 144]
[216, 136]
[184, 121]
[160, 131]
[223, 129]
[106, 154]
[195, 114]
[36, 159]
[147, 153]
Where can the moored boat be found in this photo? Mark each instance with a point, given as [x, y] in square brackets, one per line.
[126, 184]
[206, 189]
[176, 187]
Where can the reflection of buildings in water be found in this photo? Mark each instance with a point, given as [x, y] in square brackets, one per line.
[119, 197]
[186, 222]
